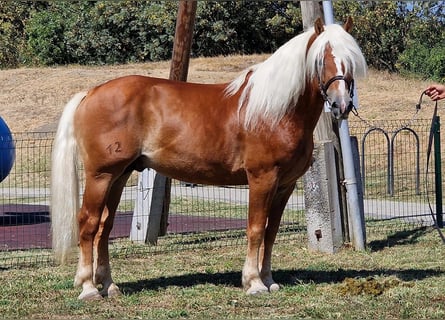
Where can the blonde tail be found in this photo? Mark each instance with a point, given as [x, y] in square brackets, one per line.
[64, 184]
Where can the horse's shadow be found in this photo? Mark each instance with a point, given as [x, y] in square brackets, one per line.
[289, 277]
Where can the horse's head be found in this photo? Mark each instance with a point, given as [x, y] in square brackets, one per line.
[335, 66]
[324, 59]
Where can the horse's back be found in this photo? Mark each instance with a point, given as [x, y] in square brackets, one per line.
[173, 127]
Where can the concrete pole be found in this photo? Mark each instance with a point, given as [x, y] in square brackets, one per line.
[322, 205]
[356, 217]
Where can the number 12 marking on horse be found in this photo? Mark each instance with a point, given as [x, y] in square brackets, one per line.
[114, 148]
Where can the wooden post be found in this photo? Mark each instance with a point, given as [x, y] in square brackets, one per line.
[158, 201]
[310, 11]
[185, 24]
[323, 214]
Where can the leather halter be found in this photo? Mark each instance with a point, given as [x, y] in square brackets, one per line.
[325, 86]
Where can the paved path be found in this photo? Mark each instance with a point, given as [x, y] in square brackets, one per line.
[27, 225]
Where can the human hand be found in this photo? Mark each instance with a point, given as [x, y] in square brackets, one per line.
[435, 92]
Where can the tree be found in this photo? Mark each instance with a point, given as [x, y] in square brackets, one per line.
[13, 17]
[377, 28]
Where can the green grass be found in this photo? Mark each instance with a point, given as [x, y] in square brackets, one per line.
[406, 268]
[193, 206]
[212, 208]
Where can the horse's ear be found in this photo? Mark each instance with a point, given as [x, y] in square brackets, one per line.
[348, 24]
[318, 26]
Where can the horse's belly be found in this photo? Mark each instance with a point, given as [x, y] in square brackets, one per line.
[196, 169]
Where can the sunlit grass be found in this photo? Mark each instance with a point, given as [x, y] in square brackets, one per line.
[202, 283]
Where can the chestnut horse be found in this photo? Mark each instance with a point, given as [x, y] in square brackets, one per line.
[255, 130]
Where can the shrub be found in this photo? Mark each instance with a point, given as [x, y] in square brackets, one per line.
[13, 16]
[119, 32]
[435, 63]
[423, 61]
[105, 32]
[45, 34]
[244, 27]
[412, 60]
[393, 35]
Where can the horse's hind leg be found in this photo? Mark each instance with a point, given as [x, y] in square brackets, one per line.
[89, 217]
[273, 223]
[102, 271]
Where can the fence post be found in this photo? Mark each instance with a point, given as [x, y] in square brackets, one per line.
[438, 172]
[360, 189]
[160, 202]
[324, 226]
[140, 220]
[323, 212]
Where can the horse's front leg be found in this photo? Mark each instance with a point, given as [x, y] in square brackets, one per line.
[102, 270]
[89, 218]
[262, 188]
[273, 223]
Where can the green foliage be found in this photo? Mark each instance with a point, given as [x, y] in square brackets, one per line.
[13, 16]
[425, 50]
[418, 59]
[124, 31]
[45, 33]
[244, 26]
[377, 28]
[101, 32]
[436, 62]
[105, 32]
[398, 37]
[393, 35]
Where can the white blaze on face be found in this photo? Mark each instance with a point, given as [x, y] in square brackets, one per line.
[341, 97]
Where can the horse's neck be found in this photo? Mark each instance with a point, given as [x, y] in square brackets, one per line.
[309, 108]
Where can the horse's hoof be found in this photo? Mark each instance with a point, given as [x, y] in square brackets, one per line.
[274, 287]
[112, 291]
[90, 296]
[253, 291]
[256, 292]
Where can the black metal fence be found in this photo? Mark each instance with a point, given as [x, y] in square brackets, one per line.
[200, 216]
[396, 187]
[205, 216]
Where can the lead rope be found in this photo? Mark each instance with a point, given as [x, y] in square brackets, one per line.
[428, 154]
[372, 125]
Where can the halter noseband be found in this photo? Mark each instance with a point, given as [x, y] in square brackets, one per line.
[325, 86]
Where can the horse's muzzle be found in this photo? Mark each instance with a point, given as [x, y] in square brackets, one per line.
[339, 113]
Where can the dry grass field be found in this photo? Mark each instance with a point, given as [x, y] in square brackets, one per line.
[32, 99]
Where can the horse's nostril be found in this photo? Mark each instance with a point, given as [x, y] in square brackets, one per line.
[335, 112]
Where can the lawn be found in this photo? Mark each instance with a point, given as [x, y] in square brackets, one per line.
[401, 276]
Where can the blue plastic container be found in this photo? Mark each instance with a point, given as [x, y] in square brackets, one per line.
[7, 150]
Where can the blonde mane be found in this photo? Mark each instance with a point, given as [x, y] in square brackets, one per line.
[275, 85]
